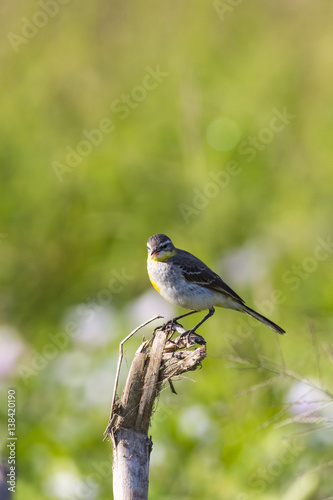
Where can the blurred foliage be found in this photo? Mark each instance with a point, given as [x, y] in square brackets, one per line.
[73, 238]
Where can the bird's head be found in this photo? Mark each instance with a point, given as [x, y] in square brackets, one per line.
[160, 247]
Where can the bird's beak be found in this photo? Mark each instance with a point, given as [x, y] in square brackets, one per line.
[153, 252]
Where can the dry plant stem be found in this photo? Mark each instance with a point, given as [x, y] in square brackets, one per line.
[182, 361]
[155, 362]
[120, 357]
[131, 454]
[150, 387]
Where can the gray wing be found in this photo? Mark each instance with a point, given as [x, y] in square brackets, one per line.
[196, 271]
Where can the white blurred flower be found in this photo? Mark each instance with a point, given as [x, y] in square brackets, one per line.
[94, 325]
[305, 399]
[159, 456]
[195, 422]
[11, 347]
[66, 485]
[146, 306]
[246, 265]
[77, 371]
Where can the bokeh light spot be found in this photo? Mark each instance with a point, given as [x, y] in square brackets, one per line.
[223, 134]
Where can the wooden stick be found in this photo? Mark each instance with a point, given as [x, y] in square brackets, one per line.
[154, 363]
[120, 357]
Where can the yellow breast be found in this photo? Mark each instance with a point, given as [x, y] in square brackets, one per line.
[151, 261]
[153, 266]
[154, 285]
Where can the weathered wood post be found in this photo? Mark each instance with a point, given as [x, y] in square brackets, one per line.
[156, 361]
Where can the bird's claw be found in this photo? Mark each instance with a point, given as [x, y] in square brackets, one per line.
[187, 338]
[190, 338]
[172, 324]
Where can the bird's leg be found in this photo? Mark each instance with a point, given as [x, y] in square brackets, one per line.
[193, 330]
[172, 321]
[210, 313]
[182, 316]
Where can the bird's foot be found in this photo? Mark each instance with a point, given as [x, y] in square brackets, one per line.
[171, 325]
[190, 338]
[162, 327]
[186, 339]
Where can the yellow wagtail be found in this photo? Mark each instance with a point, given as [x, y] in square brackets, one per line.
[184, 280]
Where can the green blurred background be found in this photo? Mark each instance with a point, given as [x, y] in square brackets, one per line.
[210, 122]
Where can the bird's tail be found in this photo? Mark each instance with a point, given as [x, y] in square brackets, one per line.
[262, 319]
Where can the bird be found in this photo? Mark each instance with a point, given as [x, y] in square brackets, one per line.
[186, 281]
